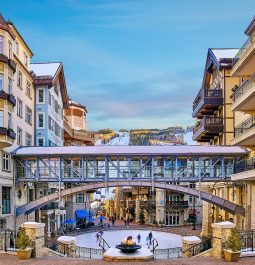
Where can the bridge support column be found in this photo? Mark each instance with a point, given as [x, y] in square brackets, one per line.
[187, 245]
[220, 233]
[160, 205]
[207, 220]
[35, 231]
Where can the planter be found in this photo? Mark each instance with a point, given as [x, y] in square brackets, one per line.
[231, 256]
[24, 254]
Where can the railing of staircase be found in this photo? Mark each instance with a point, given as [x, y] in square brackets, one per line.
[103, 244]
[248, 239]
[199, 248]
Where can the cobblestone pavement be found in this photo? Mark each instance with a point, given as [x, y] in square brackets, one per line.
[12, 260]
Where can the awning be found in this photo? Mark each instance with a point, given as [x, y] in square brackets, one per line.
[81, 214]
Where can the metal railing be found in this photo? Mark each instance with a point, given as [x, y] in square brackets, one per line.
[243, 49]
[208, 120]
[245, 126]
[103, 244]
[244, 165]
[168, 253]
[245, 87]
[154, 245]
[198, 248]
[248, 240]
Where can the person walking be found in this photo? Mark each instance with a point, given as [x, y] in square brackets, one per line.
[125, 222]
[150, 237]
[97, 236]
[128, 223]
[138, 238]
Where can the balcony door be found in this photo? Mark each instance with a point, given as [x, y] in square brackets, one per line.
[172, 218]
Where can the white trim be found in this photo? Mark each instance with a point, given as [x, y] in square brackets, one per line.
[37, 95]
[37, 140]
[37, 120]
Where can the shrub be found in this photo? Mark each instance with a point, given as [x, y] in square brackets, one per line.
[22, 240]
[234, 241]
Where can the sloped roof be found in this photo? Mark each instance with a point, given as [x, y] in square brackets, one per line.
[45, 69]
[185, 150]
[224, 53]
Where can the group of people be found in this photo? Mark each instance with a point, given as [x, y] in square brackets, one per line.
[148, 239]
[126, 222]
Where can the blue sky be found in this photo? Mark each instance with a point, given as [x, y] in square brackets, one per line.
[133, 63]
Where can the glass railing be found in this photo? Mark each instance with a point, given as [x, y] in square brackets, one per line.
[245, 126]
[245, 87]
[243, 49]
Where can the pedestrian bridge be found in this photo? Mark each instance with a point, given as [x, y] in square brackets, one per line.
[88, 164]
[141, 166]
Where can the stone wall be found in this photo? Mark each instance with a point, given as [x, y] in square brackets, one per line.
[51, 253]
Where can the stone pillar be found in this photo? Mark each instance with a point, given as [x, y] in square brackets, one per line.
[207, 220]
[220, 233]
[187, 243]
[160, 205]
[35, 231]
[137, 209]
[67, 246]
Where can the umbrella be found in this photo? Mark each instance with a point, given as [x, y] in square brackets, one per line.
[70, 222]
[91, 219]
[102, 218]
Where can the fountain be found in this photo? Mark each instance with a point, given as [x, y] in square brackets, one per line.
[128, 245]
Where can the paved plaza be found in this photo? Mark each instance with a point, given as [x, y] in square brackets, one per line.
[11, 260]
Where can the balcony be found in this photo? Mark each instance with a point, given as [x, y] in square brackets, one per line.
[9, 97]
[177, 204]
[207, 128]
[7, 137]
[244, 96]
[245, 133]
[244, 170]
[12, 65]
[3, 58]
[244, 60]
[207, 101]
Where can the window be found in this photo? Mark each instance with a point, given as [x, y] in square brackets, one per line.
[19, 80]
[80, 198]
[9, 120]
[6, 161]
[16, 48]
[1, 81]
[28, 92]
[40, 141]
[28, 115]
[10, 49]
[28, 139]
[41, 96]
[19, 136]
[56, 89]
[56, 106]
[25, 59]
[20, 108]
[6, 200]
[40, 120]
[9, 85]
[1, 118]
[49, 98]
[2, 44]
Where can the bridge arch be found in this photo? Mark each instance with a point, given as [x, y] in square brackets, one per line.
[223, 204]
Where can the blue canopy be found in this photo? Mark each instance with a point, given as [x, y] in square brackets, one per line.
[81, 214]
[70, 221]
[91, 213]
[102, 218]
[91, 219]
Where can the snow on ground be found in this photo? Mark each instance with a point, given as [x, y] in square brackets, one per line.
[122, 139]
[165, 240]
[188, 138]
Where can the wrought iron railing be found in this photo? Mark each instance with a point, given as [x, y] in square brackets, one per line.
[198, 248]
[245, 87]
[248, 240]
[245, 126]
[154, 245]
[103, 244]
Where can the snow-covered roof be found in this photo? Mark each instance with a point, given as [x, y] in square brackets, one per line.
[44, 69]
[130, 150]
[224, 53]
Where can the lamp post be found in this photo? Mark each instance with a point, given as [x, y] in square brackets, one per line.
[194, 214]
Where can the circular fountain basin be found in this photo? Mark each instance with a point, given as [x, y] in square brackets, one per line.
[128, 249]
